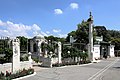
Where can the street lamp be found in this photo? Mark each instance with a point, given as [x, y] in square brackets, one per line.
[51, 54]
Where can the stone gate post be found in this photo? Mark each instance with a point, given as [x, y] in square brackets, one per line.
[16, 55]
[59, 52]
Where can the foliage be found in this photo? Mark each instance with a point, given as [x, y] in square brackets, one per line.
[82, 32]
[36, 60]
[114, 33]
[116, 42]
[10, 76]
[65, 53]
[73, 52]
[72, 33]
[83, 55]
[53, 38]
[23, 43]
[102, 31]
[71, 63]
[24, 58]
[7, 57]
[50, 47]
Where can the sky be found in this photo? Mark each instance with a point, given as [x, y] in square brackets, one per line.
[55, 17]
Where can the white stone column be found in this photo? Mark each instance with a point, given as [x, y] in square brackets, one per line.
[31, 46]
[90, 21]
[39, 47]
[59, 52]
[30, 59]
[29, 56]
[16, 55]
[96, 54]
[45, 53]
[111, 51]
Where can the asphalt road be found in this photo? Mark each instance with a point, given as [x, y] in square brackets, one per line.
[105, 70]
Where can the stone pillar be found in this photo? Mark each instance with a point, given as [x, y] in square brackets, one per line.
[39, 47]
[29, 56]
[90, 21]
[111, 51]
[45, 53]
[31, 46]
[96, 54]
[30, 59]
[59, 52]
[16, 55]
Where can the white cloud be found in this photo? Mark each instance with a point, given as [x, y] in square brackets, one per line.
[56, 31]
[43, 33]
[74, 5]
[47, 32]
[58, 11]
[11, 29]
[36, 27]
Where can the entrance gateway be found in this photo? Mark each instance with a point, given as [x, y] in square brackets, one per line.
[42, 53]
[100, 49]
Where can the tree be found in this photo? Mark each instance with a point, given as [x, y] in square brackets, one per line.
[82, 32]
[23, 43]
[65, 53]
[102, 31]
[8, 56]
[116, 42]
[72, 33]
[51, 38]
[114, 33]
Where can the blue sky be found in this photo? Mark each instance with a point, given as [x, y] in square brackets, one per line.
[54, 17]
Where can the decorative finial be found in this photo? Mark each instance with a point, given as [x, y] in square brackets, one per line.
[90, 18]
[90, 14]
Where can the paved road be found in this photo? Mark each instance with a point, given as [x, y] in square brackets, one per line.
[105, 70]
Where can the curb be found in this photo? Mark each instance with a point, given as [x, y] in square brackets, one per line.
[25, 76]
[75, 65]
[96, 61]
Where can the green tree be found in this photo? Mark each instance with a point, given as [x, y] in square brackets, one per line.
[65, 53]
[23, 43]
[114, 33]
[102, 31]
[116, 42]
[82, 32]
[72, 33]
[8, 56]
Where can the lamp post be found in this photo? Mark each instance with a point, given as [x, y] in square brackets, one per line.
[51, 54]
[68, 52]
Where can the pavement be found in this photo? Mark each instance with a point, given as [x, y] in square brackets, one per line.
[105, 70]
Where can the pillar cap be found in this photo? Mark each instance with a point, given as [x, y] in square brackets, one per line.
[90, 18]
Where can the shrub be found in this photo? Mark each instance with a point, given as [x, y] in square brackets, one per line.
[24, 58]
[71, 63]
[9, 76]
[36, 60]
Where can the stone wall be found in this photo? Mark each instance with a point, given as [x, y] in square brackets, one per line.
[8, 66]
[47, 62]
